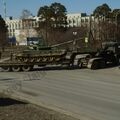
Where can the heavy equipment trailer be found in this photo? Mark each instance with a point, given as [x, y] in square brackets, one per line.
[27, 59]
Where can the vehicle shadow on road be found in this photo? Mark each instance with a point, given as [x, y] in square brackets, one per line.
[6, 79]
[55, 68]
[9, 101]
[107, 67]
[71, 68]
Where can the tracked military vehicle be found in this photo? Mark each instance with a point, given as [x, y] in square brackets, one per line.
[40, 56]
[26, 59]
[43, 55]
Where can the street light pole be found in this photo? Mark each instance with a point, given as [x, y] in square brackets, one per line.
[74, 41]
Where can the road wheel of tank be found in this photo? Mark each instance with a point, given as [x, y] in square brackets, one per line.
[26, 68]
[38, 59]
[44, 59]
[32, 60]
[19, 59]
[51, 59]
[57, 59]
[6, 68]
[16, 68]
[25, 59]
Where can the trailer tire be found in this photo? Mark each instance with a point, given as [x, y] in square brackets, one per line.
[6, 68]
[27, 68]
[102, 64]
[16, 68]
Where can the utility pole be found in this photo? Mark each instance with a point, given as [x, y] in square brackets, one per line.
[4, 6]
[90, 33]
[74, 41]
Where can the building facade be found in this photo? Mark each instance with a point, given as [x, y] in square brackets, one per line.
[77, 19]
[21, 29]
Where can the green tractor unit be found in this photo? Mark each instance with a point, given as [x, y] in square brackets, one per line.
[109, 54]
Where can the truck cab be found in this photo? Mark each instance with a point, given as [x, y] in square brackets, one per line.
[108, 54]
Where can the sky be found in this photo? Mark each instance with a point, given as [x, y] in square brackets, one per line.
[15, 7]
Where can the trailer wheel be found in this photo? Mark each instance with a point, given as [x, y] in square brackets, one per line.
[6, 68]
[16, 68]
[26, 68]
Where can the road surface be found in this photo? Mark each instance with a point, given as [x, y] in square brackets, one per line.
[83, 93]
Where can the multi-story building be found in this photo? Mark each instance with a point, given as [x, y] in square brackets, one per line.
[21, 29]
[77, 19]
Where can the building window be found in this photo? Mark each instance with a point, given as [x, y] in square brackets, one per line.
[16, 26]
[82, 20]
[86, 20]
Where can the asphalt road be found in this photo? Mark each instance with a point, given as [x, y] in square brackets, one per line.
[85, 94]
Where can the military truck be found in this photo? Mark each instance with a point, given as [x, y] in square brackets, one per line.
[42, 56]
[109, 54]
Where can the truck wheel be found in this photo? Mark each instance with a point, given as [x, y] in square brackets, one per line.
[94, 65]
[6, 68]
[118, 61]
[102, 64]
[26, 68]
[16, 68]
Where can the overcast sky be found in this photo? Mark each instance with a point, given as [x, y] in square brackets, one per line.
[15, 7]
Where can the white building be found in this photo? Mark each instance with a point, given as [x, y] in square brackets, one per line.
[77, 19]
[21, 29]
